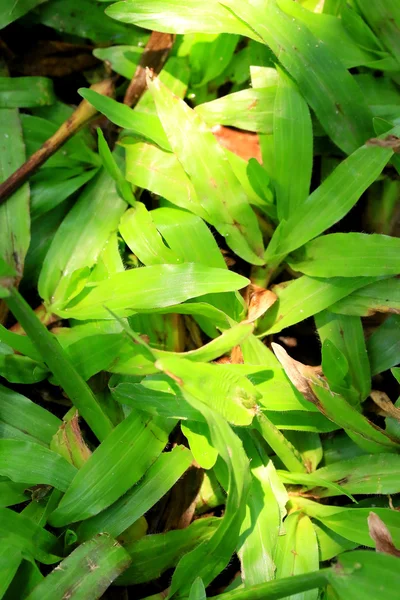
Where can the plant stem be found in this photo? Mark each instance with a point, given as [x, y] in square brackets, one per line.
[58, 362]
[281, 588]
[82, 115]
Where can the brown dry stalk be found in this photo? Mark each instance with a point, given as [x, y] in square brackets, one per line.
[154, 57]
[81, 116]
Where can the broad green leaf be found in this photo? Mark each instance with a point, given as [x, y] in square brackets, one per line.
[156, 398]
[173, 17]
[20, 369]
[25, 92]
[251, 110]
[210, 55]
[381, 296]
[19, 412]
[347, 334]
[45, 197]
[151, 287]
[12, 493]
[384, 345]
[10, 560]
[80, 239]
[198, 438]
[297, 551]
[263, 522]
[306, 296]
[282, 447]
[310, 447]
[216, 185]
[124, 116]
[14, 214]
[332, 200]
[12, 12]
[86, 573]
[140, 234]
[331, 31]
[330, 544]
[384, 18]
[154, 554]
[151, 168]
[270, 379]
[157, 480]
[348, 255]
[123, 59]
[34, 464]
[295, 420]
[26, 578]
[293, 147]
[213, 555]
[197, 591]
[232, 396]
[352, 524]
[115, 466]
[19, 532]
[86, 19]
[369, 474]
[320, 75]
[362, 574]
[188, 236]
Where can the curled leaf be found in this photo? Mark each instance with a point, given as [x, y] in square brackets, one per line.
[259, 301]
[381, 535]
[300, 375]
[385, 404]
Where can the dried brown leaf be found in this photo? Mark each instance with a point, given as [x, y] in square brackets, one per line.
[385, 404]
[259, 301]
[381, 535]
[300, 375]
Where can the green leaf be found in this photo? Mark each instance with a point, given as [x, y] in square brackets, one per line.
[263, 522]
[154, 554]
[123, 116]
[251, 110]
[369, 474]
[19, 412]
[212, 178]
[86, 19]
[19, 532]
[115, 466]
[11, 13]
[346, 184]
[86, 573]
[173, 17]
[384, 345]
[198, 438]
[293, 147]
[320, 75]
[210, 55]
[362, 574]
[297, 551]
[197, 591]
[348, 255]
[381, 296]
[347, 335]
[25, 92]
[156, 482]
[232, 396]
[384, 18]
[80, 239]
[14, 214]
[31, 463]
[306, 296]
[151, 287]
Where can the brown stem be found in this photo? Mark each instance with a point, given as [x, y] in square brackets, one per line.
[154, 57]
[82, 115]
